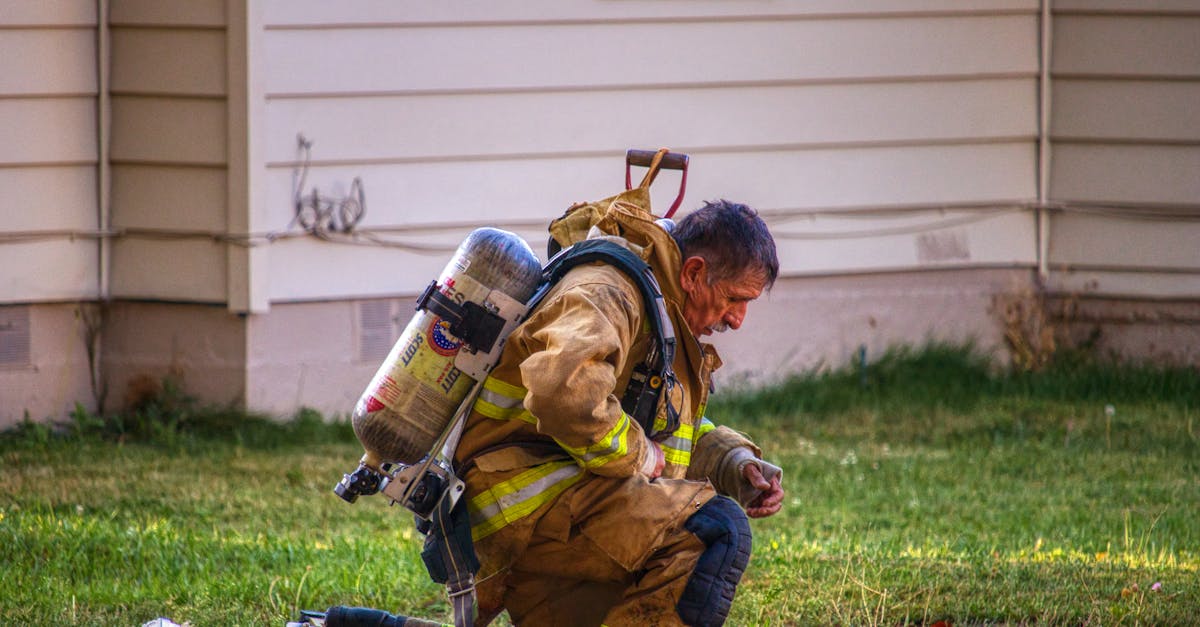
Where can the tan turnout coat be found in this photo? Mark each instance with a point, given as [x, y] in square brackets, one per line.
[548, 444]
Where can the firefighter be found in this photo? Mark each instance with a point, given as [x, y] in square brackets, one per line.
[578, 514]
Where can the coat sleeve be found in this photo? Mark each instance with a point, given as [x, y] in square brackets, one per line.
[577, 343]
[720, 454]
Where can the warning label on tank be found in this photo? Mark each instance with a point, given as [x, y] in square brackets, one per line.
[386, 392]
[373, 404]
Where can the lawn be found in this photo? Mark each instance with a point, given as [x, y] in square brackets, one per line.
[926, 487]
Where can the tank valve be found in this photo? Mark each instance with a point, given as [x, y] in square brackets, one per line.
[361, 482]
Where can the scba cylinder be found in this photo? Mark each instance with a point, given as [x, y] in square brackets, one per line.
[417, 389]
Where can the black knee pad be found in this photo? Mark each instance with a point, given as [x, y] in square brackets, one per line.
[342, 616]
[725, 530]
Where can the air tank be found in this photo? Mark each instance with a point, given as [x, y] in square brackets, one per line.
[414, 394]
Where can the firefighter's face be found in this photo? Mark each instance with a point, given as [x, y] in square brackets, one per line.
[721, 305]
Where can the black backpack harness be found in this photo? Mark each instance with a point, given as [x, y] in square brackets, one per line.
[656, 373]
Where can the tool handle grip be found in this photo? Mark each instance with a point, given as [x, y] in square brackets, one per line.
[670, 161]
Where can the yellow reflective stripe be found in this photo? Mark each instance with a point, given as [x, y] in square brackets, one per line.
[677, 457]
[677, 449]
[611, 445]
[706, 425]
[503, 401]
[515, 498]
[492, 384]
[684, 432]
[504, 413]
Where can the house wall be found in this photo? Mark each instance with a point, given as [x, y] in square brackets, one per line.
[906, 115]
[44, 362]
[894, 137]
[809, 323]
[49, 205]
[320, 354]
[1125, 131]
[1126, 148]
[201, 348]
[892, 146]
[169, 152]
[48, 163]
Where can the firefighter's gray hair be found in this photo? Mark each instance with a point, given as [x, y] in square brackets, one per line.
[731, 238]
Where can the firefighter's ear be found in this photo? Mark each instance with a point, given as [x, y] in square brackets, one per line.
[693, 273]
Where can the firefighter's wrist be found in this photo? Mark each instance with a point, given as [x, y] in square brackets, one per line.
[735, 462]
[652, 465]
[728, 476]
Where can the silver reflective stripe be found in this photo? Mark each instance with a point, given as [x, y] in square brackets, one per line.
[615, 445]
[509, 501]
[503, 401]
[499, 400]
[612, 445]
[683, 445]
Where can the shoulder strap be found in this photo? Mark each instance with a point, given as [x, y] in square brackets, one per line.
[656, 374]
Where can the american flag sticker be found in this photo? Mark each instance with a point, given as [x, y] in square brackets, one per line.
[440, 339]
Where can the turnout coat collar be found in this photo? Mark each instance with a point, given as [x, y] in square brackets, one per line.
[624, 217]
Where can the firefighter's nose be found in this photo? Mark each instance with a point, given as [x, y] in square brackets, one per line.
[735, 316]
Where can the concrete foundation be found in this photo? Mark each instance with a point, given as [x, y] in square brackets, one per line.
[322, 355]
[1162, 332]
[822, 322]
[311, 355]
[202, 347]
[45, 366]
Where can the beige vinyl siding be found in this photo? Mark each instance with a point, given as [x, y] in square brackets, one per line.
[54, 13]
[168, 130]
[1126, 148]
[320, 13]
[588, 55]
[51, 130]
[1120, 111]
[496, 126]
[169, 155]
[1167, 7]
[169, 13]
[506, 113]
[1126, 173]
[47, 197]
[48, 163]
[142, 191]
[175, 61]
[28, 52]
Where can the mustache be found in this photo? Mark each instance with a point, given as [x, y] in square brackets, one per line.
[719, 327]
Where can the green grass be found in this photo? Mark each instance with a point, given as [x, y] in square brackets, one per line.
[926, 487]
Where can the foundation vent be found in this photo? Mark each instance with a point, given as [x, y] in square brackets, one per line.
[14, 336]
[377, 329]
[948, 245]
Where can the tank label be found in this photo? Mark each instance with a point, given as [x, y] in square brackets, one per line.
[461, 288]
[449, 378]
[410, 349]
[440, 339]
[373, 404]
[386, 393]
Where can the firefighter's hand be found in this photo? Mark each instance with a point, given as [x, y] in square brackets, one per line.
[655, 460]
[771, 499]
